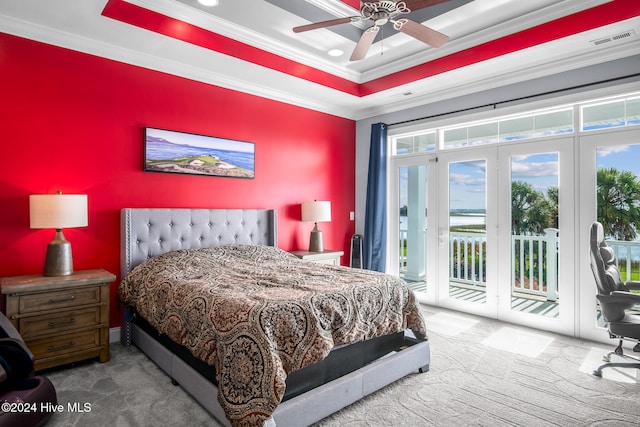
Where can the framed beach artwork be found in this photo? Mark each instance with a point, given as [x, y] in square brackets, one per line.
[188, 153]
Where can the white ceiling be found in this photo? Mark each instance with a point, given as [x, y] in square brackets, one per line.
[267, 25]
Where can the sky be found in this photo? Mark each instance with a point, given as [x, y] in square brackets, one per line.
[201, 140]
[621, 157]
[467, 180]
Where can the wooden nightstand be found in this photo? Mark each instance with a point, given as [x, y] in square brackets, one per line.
[326, 257]
[61, 319]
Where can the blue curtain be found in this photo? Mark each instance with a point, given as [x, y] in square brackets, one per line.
[375, 217]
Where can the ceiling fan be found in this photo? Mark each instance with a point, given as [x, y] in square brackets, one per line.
[381, 12]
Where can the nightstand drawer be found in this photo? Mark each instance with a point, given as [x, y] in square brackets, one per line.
[59, 299]
[59, 322]
[64, 344]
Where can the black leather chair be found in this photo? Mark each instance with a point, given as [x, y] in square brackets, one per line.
[615, 299]
[25, 397]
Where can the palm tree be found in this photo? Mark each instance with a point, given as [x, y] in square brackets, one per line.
[531, 212]
[618, 201]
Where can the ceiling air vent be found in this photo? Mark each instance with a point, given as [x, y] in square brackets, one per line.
[616, 37]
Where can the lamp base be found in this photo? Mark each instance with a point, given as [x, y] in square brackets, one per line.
[58, 261]
[315, 241]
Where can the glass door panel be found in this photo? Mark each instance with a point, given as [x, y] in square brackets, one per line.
[467, 231]
[467, 226]
[412, 232]
[610, 167]
[536, 189]
[618, 208]
[534, 234]
[412, 248]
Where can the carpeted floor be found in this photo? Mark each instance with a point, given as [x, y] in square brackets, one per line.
[483, 373]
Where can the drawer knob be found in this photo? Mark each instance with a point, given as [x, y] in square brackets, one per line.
[64, 323]
[60, 347]
[57, 301]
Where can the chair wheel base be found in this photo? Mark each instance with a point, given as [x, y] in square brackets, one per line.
[598, 371]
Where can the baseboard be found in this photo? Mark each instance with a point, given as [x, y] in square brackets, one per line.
[114, 335]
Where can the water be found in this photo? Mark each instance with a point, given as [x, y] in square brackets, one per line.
[163, 151]
[456, 220]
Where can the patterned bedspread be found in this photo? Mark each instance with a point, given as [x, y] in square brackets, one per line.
[257, 313]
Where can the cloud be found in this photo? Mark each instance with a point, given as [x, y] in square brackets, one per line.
[605, 151]
[465, 179]
[534, 169]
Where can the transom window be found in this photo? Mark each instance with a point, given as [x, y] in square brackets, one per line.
[611, 113]
[593, 115]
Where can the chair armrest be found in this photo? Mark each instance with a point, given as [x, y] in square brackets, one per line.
[633, 285]
[614, 306]
[8, 328]
[625, 296]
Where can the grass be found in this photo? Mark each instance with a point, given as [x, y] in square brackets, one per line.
[477, 228]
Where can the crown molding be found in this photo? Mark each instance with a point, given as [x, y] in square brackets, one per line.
[199, 18]
[467, 81]
[55, 37]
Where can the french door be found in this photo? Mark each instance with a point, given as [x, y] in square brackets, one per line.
[413, 223]
[467, 230]
[489, 230]
[537, 244]
[606, 156]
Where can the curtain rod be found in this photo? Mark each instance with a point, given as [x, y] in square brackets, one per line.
[495, 104]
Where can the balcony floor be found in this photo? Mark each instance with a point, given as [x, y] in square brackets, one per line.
[531, 305]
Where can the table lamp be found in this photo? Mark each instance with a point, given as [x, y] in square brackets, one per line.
[58, 211]
[316, 211]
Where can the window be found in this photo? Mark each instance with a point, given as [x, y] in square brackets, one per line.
[532, 125]
[610, 113]
[414, 143]
[594, 114]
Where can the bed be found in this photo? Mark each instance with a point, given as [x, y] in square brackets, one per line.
[319, 382]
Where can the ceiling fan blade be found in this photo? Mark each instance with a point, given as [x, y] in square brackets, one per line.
[323, 24]
[418, 31]
[364, 44]
[421, 4]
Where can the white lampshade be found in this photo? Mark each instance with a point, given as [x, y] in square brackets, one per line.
[58, 210]
[316, 211]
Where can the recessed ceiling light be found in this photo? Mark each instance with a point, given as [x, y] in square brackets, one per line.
[335, 52]
[208, 2]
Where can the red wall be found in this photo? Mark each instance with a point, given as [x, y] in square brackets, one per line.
[74, 122]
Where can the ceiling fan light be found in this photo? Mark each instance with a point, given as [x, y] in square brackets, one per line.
[208, 2]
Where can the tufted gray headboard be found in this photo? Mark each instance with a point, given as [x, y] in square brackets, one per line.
[147, 232]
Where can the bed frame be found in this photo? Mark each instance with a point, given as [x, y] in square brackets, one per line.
[149, 232]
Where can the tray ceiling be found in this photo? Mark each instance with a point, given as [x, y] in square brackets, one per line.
[249, 45]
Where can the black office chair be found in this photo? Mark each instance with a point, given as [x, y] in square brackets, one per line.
[615, 299]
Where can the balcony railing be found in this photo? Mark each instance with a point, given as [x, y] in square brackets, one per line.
[534, 266]
[533, 272]
[467, 258]
[628, 257]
